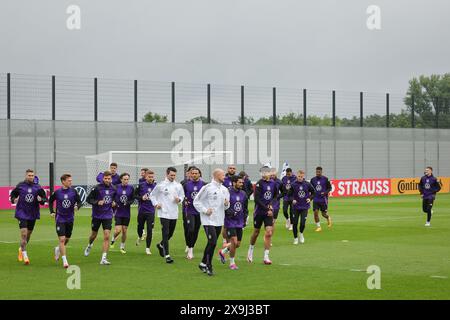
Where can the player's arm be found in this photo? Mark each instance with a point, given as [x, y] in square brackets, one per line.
[248, 187]
[42, 195]
[51, 200]
[329, 187]
[15, 194]
[78, 202]
[258, 201]
[199, 200]
[154, 195]
[92, 198]
[245, 210]
[132, 197]
[312, 191]
[99, 177]
[180, 193]
[437, 186]
[420, 186]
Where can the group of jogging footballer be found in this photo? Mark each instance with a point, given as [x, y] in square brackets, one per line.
[220, 206]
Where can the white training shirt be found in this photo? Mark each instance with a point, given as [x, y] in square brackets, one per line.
[164, 194]
[212, 196]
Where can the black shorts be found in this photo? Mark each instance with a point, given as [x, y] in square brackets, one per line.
[320, 206]
[275, 213]
[122, 221]
[64, 229]
[259, 219]
[105, 223]
[26, 224]
[234, 232]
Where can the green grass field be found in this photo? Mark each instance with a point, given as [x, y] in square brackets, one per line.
[385, 231]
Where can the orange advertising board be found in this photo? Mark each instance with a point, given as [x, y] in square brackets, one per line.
[410, 185]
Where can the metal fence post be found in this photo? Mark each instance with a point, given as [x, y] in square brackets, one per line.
[437, 113]
[54, 118]
[304, 108]
[135, 101]
[387, 110]
[361, 109]
[8, 115]
[413, 118]
[274, 106]
[334, 108]
[95, 100]
[173, 102]
[242, 106]
[208, 103]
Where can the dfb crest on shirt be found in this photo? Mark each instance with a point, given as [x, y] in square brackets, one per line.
[267, 195]
[124, 192]
[195, 188]
[66, 196]
[237, 206]
[107, 199]
[107, 191]
[30, 190]
[215, 195]
[149, 190]
[124, 198]
[29, 198]
[238, 198]
[66, 204]
[166, 191]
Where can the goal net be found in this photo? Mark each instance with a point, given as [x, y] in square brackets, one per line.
[132, 162]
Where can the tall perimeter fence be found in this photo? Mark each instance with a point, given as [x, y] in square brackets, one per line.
[351, 134]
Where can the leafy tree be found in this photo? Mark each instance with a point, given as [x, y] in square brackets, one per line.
[202, 119]
[154, 117]
[431, 94]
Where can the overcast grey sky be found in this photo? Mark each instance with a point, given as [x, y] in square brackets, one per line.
[320, 44]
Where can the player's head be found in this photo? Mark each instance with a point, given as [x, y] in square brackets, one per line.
[66, 180]
[231, 170]
[219, 175]
[289, 172]
[428, 171]
[113, 168]
[107, 178]
[243, 175]
[319, 171]
[273, 174]
[266, 172]
[188, 174]
[171, 173]
[124, 178]
[195, 173]
[237, 181]
[143, 172]
[150, 176]
[300, 175]
[29, 176]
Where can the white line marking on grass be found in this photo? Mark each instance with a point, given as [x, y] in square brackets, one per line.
[344, 240]
[285, 264]
[357, 270]
[439, 277]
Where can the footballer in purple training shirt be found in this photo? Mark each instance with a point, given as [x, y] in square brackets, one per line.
[124, 199]
[67, 201]
[428, 187]
[322, 186]
[191, 188]
[27, 196]
[302, 193]
[235, 219]
[114, 175]
[102, 198]
[146, 210]
[287, 181]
